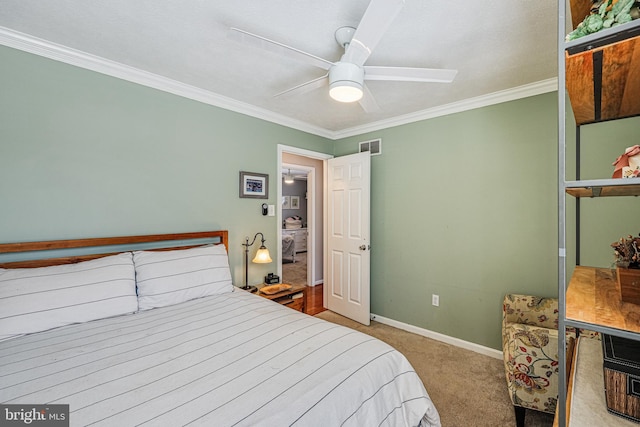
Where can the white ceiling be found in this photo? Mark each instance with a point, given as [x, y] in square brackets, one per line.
[296, 173]
[502, 50]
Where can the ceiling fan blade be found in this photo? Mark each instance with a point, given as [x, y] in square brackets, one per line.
[374, 23]
[406, 74]
[368, 102]
[306, 87]
[279, 48]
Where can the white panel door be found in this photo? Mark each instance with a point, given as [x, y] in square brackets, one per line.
[348, 236]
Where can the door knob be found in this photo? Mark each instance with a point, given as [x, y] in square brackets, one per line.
[364, 247]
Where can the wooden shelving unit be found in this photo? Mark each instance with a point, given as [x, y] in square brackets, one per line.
[601, 75]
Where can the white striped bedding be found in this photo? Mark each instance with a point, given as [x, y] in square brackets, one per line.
[233, 359]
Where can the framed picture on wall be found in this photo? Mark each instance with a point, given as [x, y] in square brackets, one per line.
[286, 202]
[254, 185]
[295, 202]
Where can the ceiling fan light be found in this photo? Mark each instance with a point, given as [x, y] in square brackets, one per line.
[346, 91]
[288, 178]
[345, 82]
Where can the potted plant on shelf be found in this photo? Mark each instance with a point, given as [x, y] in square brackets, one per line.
[627, 254]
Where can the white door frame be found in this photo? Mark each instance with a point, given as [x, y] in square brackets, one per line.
[311, 220]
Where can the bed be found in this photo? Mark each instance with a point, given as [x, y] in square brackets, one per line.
[187, 347]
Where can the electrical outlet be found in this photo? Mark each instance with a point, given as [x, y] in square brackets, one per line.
[435, 300]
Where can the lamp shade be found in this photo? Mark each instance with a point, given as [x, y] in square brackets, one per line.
[262, 256]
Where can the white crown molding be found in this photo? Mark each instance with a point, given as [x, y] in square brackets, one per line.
[496, 354]
[537, 88]
[47, 49]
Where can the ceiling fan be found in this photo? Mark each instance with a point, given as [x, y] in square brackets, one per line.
[346, 77]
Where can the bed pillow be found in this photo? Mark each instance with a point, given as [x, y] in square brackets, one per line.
[37, 299]
[170, 277]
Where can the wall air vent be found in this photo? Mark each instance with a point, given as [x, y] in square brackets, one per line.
[374, 146]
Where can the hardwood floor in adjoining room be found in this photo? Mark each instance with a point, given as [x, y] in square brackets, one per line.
[295, 273]
[313, 304]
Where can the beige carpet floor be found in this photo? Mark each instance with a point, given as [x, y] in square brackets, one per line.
[467, 388]
[295, 273]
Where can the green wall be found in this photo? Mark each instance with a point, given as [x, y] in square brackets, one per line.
[603, 220]
[87, 155]
[465, 206]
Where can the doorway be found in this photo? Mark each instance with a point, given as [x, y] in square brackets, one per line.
[312, 164]
[297, 205]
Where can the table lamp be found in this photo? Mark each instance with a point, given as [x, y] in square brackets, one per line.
[262, 257]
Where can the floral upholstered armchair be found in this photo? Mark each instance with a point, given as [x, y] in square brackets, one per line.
[530, 351]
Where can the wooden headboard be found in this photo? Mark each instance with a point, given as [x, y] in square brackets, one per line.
[219, 236]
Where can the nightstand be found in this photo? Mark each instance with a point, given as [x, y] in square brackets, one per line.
[294, 298]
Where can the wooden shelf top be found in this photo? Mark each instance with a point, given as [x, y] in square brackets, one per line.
[593, 296]
[604, 191]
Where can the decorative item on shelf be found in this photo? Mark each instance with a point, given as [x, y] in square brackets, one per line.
[262, 257]
[606, 14]
[628, 164]
[627, 253]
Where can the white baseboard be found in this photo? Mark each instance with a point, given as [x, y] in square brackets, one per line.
[439, 337]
